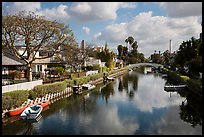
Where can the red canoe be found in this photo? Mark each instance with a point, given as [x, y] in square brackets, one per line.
[17, 111]
[44, 104]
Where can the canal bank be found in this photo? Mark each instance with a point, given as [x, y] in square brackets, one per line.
[51, 97]
[110, 110]
[113, 75]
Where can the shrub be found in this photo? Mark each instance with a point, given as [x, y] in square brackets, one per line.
[59, 70]
[96, 67]
[89, 68]
[96, 76]
[195, 86]
[42, 90]
[14, 98]
[69, 82]
[15, 74]
[105, 69]
[174, 78]
[185, 78]
[78, 81]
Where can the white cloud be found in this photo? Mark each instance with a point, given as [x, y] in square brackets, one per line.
[81, 12]
[159, 98]
[59, 13]
[182, 9]
[131, 5]
[110, 123]
[15, 7]
[97, 11]
[86, 29]
[153, 32]
[169, 121]
[97, 35]
[56, 13]
[81, 8]
[114, 32]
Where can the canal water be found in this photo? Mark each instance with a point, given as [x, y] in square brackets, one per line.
[133, 104]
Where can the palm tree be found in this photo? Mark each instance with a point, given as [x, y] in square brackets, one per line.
[130, 41]
[134, 46]
[120, 50]
[126, 41]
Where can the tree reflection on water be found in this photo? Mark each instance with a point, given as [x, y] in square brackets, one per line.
[191, 109]
[107, 91]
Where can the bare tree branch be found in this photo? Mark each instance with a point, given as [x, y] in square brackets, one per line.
[34, 33]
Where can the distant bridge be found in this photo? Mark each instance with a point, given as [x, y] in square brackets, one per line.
[145, 64]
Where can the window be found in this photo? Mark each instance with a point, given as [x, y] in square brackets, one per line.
[39, 68]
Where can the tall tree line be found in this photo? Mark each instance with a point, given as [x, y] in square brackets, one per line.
[129, 54]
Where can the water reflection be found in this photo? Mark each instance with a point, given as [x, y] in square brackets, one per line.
[120, 85]
[30, 126]
[148, 94]
[129, 84]
[108, 123]
[171, 124]
[107, 91]
[191, 109]
[110, 110]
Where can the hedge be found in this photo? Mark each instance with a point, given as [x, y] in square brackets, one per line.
[42, 90]
[69, 82]
[14, 99]
[185, 78]
[195, 86]
[117, 70]
[96, 76]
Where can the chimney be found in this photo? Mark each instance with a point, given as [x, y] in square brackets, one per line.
[83, 46]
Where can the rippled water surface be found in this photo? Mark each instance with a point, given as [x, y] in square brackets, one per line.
[134, 103]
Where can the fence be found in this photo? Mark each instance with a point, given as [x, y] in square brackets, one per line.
[21, 86]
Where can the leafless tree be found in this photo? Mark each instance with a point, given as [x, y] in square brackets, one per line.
[74, 55]
[34, 32]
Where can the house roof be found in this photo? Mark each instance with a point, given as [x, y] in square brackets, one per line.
[9, 61]
[8, 58]
[42, 61]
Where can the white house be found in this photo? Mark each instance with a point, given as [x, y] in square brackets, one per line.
[38, 65]
[91, 61]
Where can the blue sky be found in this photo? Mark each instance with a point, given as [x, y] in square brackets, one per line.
[151, 24]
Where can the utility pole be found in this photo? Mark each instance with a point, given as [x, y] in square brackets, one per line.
[170, 47]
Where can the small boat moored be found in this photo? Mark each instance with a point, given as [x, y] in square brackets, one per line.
[31, 112]
[88, 86]
[170, 88]
[77, 89]
[17, 111]
[130, 69]
[110, 78]
[164, 75]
